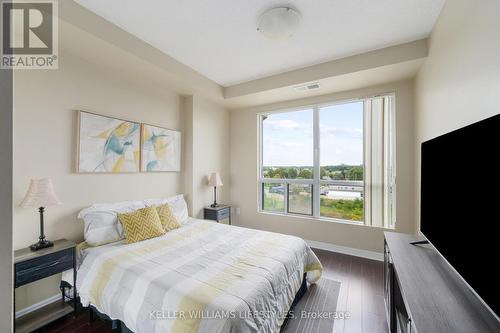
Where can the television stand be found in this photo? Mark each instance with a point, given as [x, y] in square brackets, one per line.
[424, 294]
[419, 242]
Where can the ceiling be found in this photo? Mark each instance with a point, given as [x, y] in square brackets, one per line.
[219, 39]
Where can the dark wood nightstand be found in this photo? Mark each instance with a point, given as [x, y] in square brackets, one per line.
[218, 213]
[31, 266]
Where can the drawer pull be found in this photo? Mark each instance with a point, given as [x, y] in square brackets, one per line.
[47, 266]
[40, 267]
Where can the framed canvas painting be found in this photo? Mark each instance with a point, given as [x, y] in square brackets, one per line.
[161, 149]
[107, 144]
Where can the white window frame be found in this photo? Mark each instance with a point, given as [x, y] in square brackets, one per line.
[387, 169]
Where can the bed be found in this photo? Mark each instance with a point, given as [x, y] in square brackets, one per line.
[201, 277]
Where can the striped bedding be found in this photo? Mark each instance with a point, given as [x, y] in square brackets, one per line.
[202, 277]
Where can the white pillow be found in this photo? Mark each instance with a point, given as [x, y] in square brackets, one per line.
[177, 203]
[101, 221]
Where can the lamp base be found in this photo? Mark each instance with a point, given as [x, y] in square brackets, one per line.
[41, 244]
[215, 205]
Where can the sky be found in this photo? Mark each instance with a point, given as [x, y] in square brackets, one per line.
[288, 136]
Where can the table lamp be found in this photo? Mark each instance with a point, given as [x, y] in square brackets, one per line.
[40, 194]
[214, 180]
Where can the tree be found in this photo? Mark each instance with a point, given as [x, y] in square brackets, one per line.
[292, 173]
[322, 173]
[343, 168]
[356, 173]
[280, 173]
[305, 174]
[269, 173]
[337, 176]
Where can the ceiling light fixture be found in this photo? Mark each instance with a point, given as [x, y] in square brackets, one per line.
[279, 23]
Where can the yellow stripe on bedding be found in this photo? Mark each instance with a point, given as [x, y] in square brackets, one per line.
[200, 297]
[314, 267]
[109, 265]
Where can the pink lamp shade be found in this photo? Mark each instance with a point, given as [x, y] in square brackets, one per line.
[214, 180]
[40, 194]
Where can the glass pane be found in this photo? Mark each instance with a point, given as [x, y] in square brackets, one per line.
[342, 202]
[341, 160]
[273, 197]
[300, 199]
[287, 145]
[341, 142]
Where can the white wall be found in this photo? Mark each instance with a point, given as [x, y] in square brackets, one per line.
[6, 200]
[244, 174]
[211, 152]
[459, 83]
[206, 151]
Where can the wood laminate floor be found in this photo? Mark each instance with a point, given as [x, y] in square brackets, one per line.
[361, 295]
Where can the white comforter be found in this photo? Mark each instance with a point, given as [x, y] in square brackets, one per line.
[202, 277]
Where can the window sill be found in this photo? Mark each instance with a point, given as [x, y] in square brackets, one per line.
[324, 219]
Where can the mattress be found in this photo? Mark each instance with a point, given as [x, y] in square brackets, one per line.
[202, 277]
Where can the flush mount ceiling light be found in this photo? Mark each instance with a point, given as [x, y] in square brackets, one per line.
[279, 23]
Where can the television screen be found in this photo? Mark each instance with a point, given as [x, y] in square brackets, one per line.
[460, 203]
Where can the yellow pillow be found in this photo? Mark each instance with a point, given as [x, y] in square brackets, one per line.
[167, 218]
[141, 224]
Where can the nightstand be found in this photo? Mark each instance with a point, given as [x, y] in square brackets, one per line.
[31, 266]
[218, 213]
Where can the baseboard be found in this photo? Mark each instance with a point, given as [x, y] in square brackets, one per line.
[38, 305]
[346, 250]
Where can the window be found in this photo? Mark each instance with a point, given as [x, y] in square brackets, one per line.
[273, 197]
[334, 162]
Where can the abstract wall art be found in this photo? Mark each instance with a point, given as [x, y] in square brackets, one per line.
[107, 144]
[161, 149]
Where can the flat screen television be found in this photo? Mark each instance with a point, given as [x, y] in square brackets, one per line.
[460, 204]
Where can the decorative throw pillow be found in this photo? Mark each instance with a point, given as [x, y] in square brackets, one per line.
[167, 217]
[176, 203]
[141, 224]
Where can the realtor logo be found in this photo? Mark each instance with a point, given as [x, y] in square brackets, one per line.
[29, 34]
